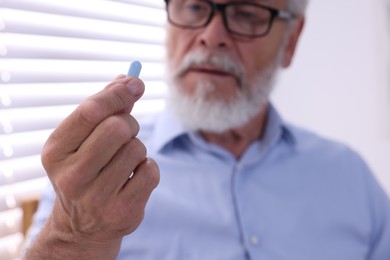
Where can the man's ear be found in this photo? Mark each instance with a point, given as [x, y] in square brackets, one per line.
[292, 42]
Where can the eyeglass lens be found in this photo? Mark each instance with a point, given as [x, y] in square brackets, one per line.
[241, 18]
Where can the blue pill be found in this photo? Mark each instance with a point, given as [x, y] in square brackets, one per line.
[135, 69]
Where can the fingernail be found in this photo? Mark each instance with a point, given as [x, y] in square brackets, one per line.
[135, 87]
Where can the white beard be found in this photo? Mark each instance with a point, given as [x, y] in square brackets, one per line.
[197, 112]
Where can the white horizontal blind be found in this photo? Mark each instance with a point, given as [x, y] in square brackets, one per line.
[53, 54]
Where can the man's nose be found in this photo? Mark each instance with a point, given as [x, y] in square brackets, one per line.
[215, 34]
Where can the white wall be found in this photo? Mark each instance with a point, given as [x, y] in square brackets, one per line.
[337, 84]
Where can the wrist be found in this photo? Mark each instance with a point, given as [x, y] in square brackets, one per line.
[56, 243]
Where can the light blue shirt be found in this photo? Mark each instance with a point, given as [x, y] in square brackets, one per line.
[291, 196]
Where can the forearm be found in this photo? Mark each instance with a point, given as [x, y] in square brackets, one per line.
[55, 244]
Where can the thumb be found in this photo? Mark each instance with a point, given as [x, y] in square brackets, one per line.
[117, 97]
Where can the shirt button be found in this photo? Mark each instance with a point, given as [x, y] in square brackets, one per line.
[254, 240]
[239, 166]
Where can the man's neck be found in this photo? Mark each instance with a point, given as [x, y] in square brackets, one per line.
[238, 140]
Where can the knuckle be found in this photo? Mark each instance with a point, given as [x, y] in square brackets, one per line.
[96, 108]
[116, 126]
[127, 216]
[137, 148]
[90, 112]
[120, 126]
[46, 155]
[115, 96]
[153, 172]
[156, 177]
[51, 155]
[134, 125]
[69, 180]
[138, 218]
[50, 149]
[134, 221]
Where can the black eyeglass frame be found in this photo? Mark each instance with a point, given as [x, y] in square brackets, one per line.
[275, 14]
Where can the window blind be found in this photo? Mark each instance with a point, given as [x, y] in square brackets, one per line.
[53, 54]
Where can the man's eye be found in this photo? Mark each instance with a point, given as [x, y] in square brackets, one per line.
[250, 16]
[196, 8]
[244, 15]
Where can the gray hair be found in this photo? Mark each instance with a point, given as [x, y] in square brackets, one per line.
[297, 7]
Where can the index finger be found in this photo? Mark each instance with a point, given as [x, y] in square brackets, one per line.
[117, 97]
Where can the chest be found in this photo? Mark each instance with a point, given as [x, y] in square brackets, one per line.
[221, 210]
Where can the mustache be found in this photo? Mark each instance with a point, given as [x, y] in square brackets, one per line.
[220, 61]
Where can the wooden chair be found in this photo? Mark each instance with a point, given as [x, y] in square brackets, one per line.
[29, 206]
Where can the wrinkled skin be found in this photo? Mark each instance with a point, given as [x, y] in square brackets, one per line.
[89, 159]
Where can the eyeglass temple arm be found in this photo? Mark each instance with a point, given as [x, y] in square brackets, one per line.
[285, 15]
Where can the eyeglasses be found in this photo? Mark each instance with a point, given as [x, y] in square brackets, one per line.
[245, 19]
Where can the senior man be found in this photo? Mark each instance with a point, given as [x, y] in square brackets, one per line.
[237, 182]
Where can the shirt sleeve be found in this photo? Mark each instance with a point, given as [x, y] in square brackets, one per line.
[380, 212]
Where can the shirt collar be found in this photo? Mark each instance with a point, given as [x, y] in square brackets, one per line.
[168, 129]
[277, 128]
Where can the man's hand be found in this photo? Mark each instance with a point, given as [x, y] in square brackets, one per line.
[89, 159]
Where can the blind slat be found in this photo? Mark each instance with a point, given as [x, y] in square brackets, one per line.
[102, 10]
[37, 118]
[10, 222]
[58, 94]
[149, 3]
[9, 246]
[17, 121]
[26, 22]
[22, 144]
[11, 196]
[21, 169]
[33, 46]
[30, 70]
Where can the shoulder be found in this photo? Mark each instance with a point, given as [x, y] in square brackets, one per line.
[327, 159]
[336, 165]
[342, 177]
[310, 143]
